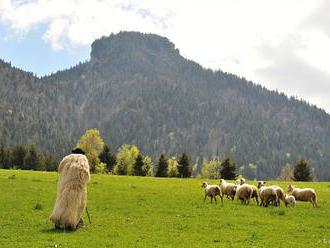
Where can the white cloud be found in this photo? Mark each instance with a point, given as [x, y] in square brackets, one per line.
[231, 35]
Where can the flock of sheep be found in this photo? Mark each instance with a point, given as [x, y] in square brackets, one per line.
[267, 194]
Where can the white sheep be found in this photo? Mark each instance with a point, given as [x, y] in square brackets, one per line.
[289, 200]
[267, 194]
[228, 189]
[255, 194]
[212, 191]
[306, 194]
[244, 193]
[280, 194]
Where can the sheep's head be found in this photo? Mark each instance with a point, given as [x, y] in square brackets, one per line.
[242, 181]
[261, 183]
[222, 181]
[290, 188]
[204, 185]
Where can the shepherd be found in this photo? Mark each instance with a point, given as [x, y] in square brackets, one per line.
[71, 198]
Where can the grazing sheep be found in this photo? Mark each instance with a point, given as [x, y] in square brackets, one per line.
[71, 191]
[212, 191]
[228, 189]
[290, 200]
[280, 194]
[244, 193]
[255, 194]
[306, 194]
[267, 194]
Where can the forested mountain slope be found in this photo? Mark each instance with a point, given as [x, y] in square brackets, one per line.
[137, 88]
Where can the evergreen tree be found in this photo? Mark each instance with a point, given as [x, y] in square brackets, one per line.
[138, 166]
[50, 164]
[108, 158]
[302, 171]
[32, 159]
[184, 166]
[228, 169]
[162, 167]
[18, 157]
[4, 158]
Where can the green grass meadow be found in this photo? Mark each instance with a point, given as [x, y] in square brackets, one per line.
[155, 212]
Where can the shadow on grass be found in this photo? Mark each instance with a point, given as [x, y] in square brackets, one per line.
[57, 230]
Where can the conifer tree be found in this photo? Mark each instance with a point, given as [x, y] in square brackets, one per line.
[138, 166]
[184, 166]
[108, 158]
[18, 157]
[32, 159]
[302, 171]
[4, 158]
[228, 169]
[162, 167]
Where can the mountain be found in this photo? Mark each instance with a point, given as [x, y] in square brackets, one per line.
[137, 89]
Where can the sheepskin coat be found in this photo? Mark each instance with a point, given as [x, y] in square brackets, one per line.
[71, 191]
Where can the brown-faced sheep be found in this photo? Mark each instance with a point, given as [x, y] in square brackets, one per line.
[212, 191]
[228, 189]
[71, 191]
[306, 194]
[290, 201]
[244, 193]
[267, 194]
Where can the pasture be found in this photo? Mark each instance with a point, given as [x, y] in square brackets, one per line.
[155, 212]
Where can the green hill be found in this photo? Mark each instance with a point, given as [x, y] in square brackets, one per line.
[137, 88]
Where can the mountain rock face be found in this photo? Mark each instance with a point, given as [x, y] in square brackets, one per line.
[137, 89]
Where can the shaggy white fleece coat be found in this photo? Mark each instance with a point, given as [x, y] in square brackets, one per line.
[71, 191]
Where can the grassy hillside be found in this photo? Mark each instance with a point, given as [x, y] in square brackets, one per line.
[153, 212]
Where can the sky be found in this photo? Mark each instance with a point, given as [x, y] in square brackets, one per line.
[283, 45]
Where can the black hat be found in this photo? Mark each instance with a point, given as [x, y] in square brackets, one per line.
[78, 151]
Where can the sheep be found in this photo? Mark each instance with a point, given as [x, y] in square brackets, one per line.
[240, 181]
[212, 191]
[255, 194]
[71, 192]
[280, 194]
[244, 193]
[290, 200]
[267, 194]
[306, 194]
[228, 189]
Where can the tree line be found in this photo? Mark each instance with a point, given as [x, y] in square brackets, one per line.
[130, 161]
[26, 158]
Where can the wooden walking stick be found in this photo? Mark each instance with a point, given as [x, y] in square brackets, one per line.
[89, 218]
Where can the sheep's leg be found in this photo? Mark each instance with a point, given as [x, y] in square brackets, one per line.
[314, 201]
[215, 199]
[221, 197]
[205, 197]
[211, 199]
